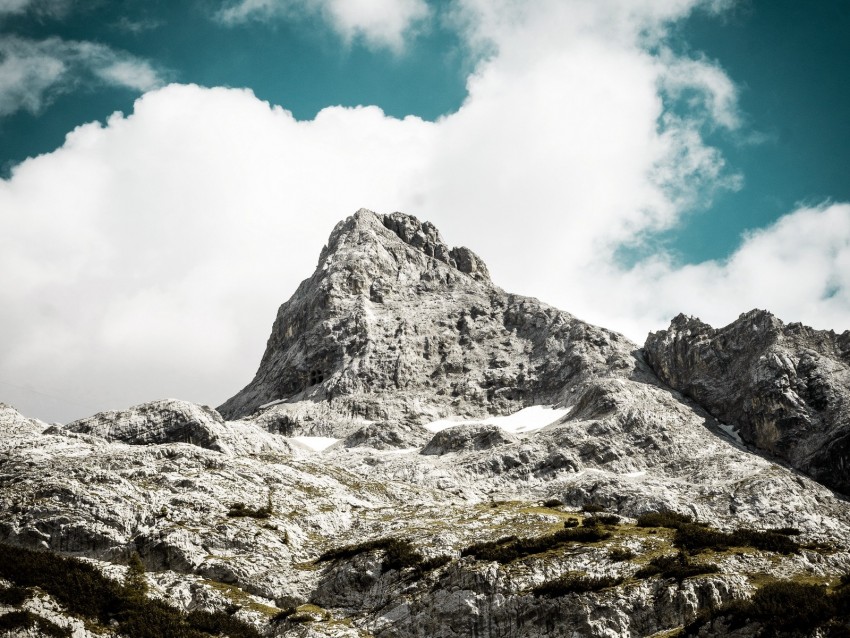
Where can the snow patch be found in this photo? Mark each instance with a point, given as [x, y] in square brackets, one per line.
[730, 430]
[271, 403]
[522, 422]
[313, 443]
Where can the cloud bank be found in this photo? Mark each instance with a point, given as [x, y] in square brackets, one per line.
[146, 257]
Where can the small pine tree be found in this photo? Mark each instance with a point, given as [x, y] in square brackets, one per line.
[135, 580]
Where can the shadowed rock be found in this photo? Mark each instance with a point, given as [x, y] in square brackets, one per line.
[786, 388]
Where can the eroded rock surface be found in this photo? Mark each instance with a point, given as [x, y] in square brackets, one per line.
[785, 388]
[392, 312]
[329, 505]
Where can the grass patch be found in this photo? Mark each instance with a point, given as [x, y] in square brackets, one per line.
[575, 583]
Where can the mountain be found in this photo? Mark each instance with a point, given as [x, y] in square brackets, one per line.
[423, 454]
[785, 389]
[396, 325]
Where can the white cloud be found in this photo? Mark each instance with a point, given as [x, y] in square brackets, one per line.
[380, 23]
[13, 6]
[798, 268]
[32, 72]
[147, 256]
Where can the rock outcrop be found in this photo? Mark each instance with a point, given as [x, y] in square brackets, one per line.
[392, 311]
[784, 388]
[173, 421]
[331, 508]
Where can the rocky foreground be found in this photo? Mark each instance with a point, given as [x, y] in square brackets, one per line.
[423, 454]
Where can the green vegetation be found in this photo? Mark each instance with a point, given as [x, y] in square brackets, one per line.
[399, 554]
[601, 519]
[14, 596]
[592, 508]
[620, 554]
[695, 537]
[672, 520]
[571, 522]
[575, 583]
[552, 502]
[240, 509]
[85, 592]
[512, 548]
[785, 606]
[28, 620]
[677, 566]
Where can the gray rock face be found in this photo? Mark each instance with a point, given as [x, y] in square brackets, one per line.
[786, 388]
[395, 330]
[173, 421]
[468, 438]
[391, 310]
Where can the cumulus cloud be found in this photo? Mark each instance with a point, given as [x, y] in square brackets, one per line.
[32, 72]
[146, 257]
[380, 23]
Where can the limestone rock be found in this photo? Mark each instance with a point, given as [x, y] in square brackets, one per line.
[468, 438]
[396, 330]
[784, 388]
[173, 421]
[391, 310]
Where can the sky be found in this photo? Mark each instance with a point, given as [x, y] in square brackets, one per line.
[170, 171]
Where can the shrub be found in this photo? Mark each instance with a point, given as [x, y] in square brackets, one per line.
[620, 554]
[552, 502]
[575, 583]
[695, 537]
[600, 519]
[14, 596]
[677, 566]
[521, 547]
[787, 531]
[301, 617]
[240, 509]
[84, 591]
[673, 520]
[135, 579]
[28, 620]
[283, 614]
[431, 564]
[571, 522]
[398, 554]
[592, 508]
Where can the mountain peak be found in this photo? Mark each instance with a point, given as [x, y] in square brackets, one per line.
[421, 237]
[395, 324]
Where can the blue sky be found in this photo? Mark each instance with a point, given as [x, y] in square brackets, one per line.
[625, 160]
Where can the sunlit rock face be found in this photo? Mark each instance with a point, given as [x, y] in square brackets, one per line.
[409, 415]
[785, 388]
[395, 324]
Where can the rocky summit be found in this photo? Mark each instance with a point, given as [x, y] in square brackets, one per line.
[423, 454]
